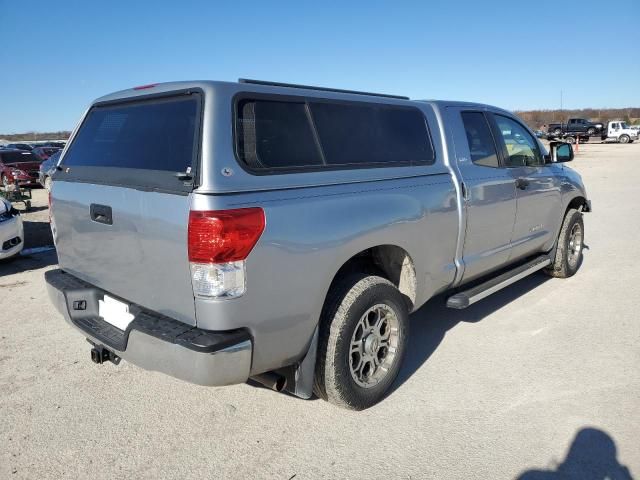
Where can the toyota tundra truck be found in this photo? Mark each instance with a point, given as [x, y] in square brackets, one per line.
[226, 231]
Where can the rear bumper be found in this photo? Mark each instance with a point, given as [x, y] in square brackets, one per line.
[153, 341]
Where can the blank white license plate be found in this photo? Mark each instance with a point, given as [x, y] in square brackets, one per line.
[115, 312]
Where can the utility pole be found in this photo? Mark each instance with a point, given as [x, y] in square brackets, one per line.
[560, 105]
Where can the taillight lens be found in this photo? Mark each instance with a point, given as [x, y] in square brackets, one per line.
[219, 242]
[219, 236]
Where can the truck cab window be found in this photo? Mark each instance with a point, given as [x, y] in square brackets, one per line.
[521, 148]
[482, 148]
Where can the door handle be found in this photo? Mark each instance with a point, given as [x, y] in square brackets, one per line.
[522, 183]
[101, 214]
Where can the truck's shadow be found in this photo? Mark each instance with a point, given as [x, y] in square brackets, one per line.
[431, 322]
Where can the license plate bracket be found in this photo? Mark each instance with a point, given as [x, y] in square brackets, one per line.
[115, 312]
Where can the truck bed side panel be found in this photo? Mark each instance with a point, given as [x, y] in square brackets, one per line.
[310, 234]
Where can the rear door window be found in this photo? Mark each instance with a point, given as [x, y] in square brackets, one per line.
[273, 135]
[482, 147]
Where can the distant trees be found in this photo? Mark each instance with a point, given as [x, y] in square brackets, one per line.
[536, 118]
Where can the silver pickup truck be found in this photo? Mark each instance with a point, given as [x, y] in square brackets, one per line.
[220, 232]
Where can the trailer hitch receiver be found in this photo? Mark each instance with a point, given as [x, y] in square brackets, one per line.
[100, 355]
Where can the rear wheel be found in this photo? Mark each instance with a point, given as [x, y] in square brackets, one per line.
[570, 140]
[570, 246]
[624, 139]
[363, 338]
[591, 131]
[557, 131]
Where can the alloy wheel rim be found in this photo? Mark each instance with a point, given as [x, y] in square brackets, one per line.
[575, 245]
[374, 345]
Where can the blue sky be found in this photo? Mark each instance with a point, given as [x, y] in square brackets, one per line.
[57, 56]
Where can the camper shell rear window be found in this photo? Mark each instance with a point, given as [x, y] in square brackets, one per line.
[150, 143]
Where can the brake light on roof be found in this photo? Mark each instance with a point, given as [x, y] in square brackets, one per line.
[219, 241]
[144, 87]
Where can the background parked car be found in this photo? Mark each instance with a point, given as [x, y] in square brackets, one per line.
[11, 230]
[43, 153]
[19, 146]
[53, 144]
[47, 168]
[19, 165]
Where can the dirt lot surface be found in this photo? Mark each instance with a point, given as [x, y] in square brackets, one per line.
[538, 381]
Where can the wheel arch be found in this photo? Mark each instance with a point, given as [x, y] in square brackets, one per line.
[578, 202]
[388, 261]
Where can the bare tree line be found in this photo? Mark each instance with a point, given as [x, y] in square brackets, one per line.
[35, 136]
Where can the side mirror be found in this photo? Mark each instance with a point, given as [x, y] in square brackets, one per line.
[560, 152]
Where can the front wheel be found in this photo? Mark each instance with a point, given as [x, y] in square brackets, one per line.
[570, 246]
[624, 139]
[363, 338]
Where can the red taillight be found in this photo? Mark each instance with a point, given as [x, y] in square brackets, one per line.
[221, 236]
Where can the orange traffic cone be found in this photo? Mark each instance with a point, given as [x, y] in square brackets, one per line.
[577, 143]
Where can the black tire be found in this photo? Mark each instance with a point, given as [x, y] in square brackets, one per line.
[591, 131]
[557, 131]
[345, 308]
[624, 139]
[570, 140]
[567, 260]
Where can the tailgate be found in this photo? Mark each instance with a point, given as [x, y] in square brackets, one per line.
[120, 204]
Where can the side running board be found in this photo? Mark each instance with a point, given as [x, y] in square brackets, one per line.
[468, 297]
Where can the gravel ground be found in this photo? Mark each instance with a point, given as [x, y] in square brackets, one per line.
[538, 381]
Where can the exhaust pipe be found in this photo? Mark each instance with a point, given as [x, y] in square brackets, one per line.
[271, 380]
